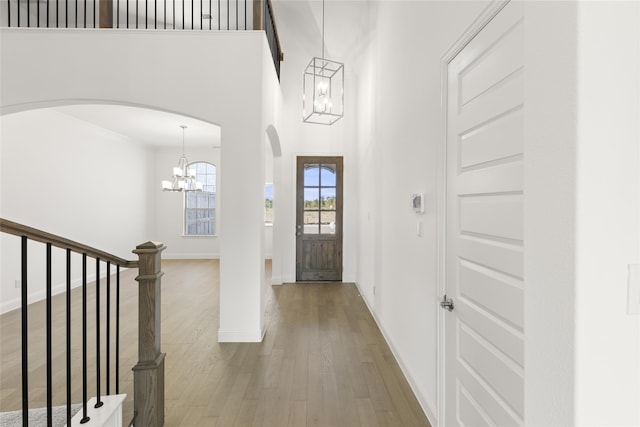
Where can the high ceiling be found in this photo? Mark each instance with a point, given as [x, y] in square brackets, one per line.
[299, 25]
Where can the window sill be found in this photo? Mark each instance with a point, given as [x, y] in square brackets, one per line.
[199, 236]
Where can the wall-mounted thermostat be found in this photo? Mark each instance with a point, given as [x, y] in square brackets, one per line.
[417, 202]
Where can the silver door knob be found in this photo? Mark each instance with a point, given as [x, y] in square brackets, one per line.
[446, 303]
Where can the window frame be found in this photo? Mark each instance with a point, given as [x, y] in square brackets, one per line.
[214, 193]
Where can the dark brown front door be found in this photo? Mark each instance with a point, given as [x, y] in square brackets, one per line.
[319, 219]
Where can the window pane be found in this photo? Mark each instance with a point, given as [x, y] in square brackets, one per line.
[311, 198]
[328, 198]
[328, 175]
[311, 222]
[311, 175]
[191, 200]
[328, 223]
[200, 206]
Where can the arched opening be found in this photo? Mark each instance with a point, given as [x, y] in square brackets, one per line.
[273, 244]
[92, 173]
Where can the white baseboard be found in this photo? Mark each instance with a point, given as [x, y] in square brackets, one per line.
[428, 411]
[201, 255]
[41, 294]
[241, 336]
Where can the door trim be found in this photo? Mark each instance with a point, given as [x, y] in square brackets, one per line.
[486, 16]
[299, 197]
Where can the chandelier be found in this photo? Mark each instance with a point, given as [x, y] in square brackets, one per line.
[323, 89]
[184, 178]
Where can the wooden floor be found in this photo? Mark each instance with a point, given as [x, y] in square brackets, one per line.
[323, 361]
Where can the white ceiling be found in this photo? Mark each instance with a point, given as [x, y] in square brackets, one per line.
[150, 127]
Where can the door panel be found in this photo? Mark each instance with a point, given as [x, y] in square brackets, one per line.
[319, 219]
[484, 238]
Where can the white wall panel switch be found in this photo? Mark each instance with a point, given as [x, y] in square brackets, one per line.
[633, 295]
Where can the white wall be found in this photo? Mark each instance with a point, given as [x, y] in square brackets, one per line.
[67, 177]
[399, 95]
[130, 67]
[607, 212]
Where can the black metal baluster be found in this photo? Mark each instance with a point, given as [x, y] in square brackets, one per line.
[227, 15]
[245, 14]
[38, 14]
[155, 14]
[192, 15]
[165, 14]
[49, 341]
[25, 331]
[108, 325]
[28, 13]
[84, 11]
[236, 14]
[183, 14]
[146, 14]
[136, 14]
[85, 418]
[57, 14]
[210, 13]
[218, 15]
[174, 14]
[76, 23]
[68, 296]
[118, 13]
[118, 330]
[9, 13]
[127, 14]
[66, 13]
[201, 17]
[94, 13]
[48, 12]
[99, 403]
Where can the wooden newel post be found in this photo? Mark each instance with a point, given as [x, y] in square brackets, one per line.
[148, 374]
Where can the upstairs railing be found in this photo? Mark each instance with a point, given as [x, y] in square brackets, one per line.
[149, 371]
[209, 15]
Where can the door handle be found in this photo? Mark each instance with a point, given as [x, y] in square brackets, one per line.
[446, 303]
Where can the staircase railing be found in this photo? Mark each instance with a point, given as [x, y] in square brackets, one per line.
[148, 373]
[209, 15]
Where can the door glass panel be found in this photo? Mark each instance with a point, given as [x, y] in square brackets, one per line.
[311, 175]
[328, 223]
[328, 175]
[311, 198]
[311, 222]
[328, 198]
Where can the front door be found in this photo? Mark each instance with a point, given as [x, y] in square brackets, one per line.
[319, 219]
[484, 378]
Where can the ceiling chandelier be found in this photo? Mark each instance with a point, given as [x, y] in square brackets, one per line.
[323, 89]
[184, 178]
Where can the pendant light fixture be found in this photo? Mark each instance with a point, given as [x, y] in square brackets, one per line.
[323, 89]
[184, 178]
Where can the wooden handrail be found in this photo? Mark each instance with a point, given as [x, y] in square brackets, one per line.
[16, 229]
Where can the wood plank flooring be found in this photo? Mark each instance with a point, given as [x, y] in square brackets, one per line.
[323, 361]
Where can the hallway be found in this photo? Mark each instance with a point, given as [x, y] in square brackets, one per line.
[323, 361]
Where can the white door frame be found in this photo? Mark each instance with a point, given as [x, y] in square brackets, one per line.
[476, 26]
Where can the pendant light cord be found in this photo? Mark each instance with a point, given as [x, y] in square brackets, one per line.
[323, 30]
[183, 128]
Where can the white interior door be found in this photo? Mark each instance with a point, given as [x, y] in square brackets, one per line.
[484, 362]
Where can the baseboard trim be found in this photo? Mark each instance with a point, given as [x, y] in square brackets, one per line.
[200, 255]
[426, 408]
[41, 294]
[241, 336]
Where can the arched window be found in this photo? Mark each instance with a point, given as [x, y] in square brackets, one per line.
[200, 206]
